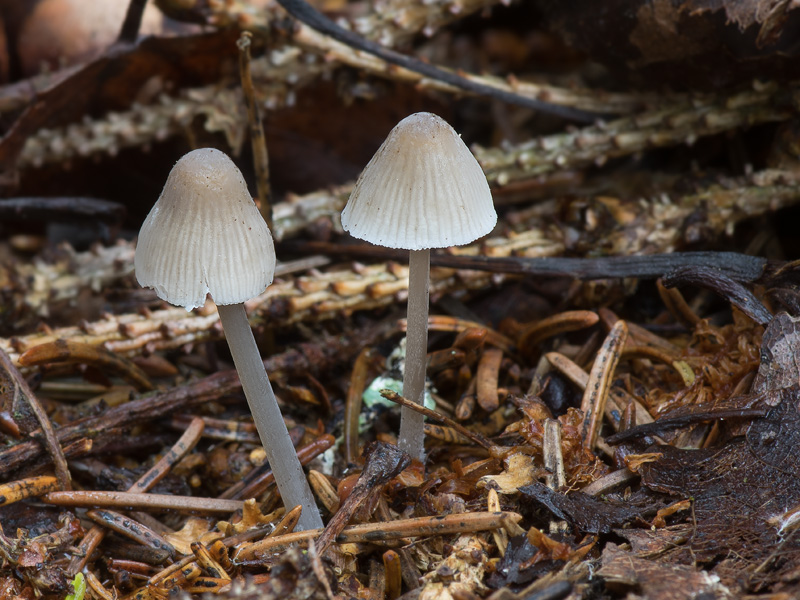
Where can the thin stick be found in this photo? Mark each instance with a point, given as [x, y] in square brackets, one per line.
[52, 444]
[384, 461]
[370, 532]
[412, 435]
[93, 499]
[257, 139]
[432, 414]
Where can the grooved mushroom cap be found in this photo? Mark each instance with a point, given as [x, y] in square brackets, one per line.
[422, 189]
[205, 235]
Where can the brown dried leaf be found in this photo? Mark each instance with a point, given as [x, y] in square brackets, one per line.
[195, 529]
[520, 470]
[251, 517]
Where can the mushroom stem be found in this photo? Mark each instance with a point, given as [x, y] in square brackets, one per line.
[289, 475]
[412, 433]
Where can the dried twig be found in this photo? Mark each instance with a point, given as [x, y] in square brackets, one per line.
[371, 532]
[256, 484]
[432, 414]
[90, 499]
[258, 141]
[384, 461]
[320, 357]
[51, 442]
[731, 290]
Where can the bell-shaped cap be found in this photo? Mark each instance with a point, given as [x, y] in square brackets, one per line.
[205, 235]
[422, 189]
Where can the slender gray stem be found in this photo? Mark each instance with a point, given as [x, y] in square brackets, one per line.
[412, 434]
[282, 457]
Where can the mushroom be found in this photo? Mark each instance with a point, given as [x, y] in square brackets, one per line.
[205, 235]
[423, 189]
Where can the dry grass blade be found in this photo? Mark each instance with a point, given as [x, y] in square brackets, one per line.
[432, 414]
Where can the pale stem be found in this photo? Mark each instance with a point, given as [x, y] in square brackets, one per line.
[412, 434]
[289, 475]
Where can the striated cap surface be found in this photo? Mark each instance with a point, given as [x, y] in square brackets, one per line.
[422, 189]
[205, 235]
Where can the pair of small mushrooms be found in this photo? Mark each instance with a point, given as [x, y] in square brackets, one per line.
[423, 189]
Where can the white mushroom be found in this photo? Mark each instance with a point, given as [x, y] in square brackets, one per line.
[423, 189]
[205, 235]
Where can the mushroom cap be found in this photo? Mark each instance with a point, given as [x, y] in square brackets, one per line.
[205, 235]
[422, 189]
